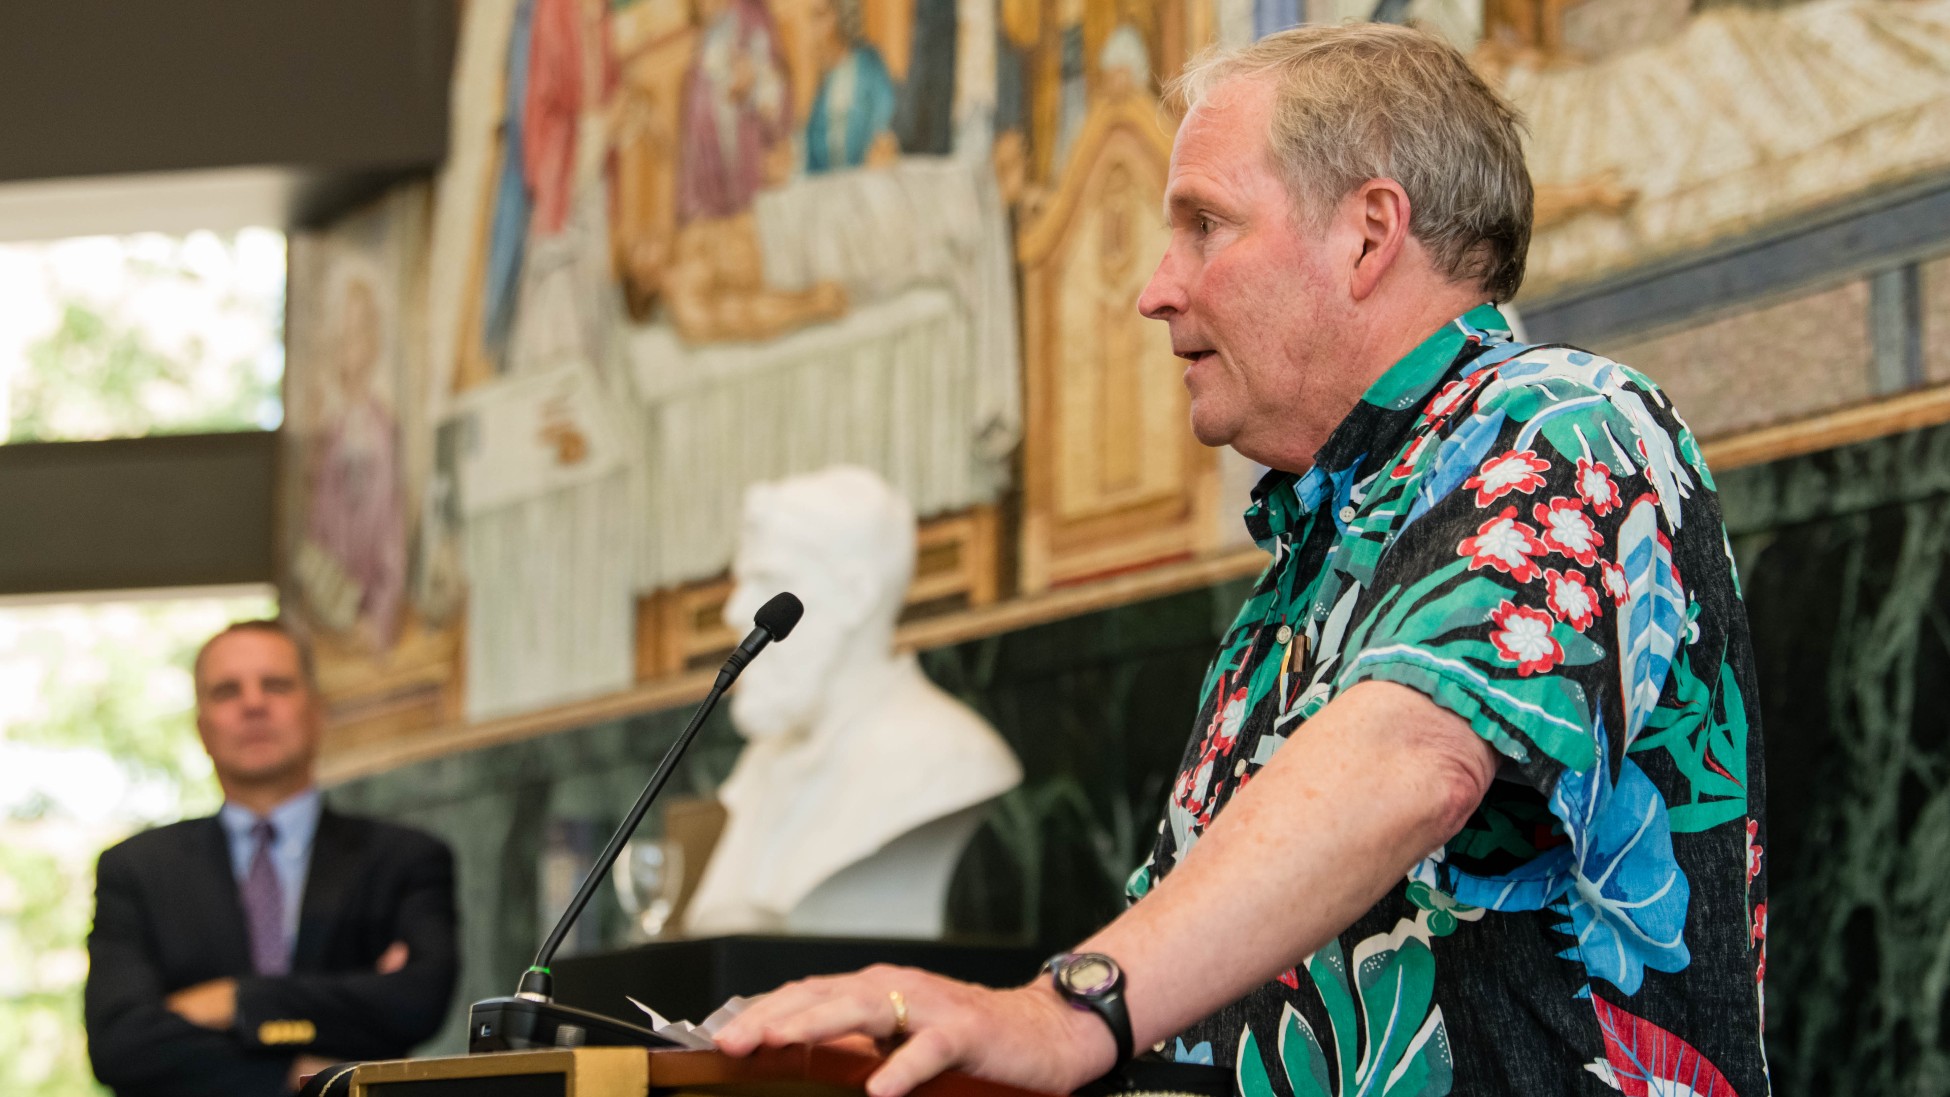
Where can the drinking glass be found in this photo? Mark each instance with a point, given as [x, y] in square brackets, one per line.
[649, 880]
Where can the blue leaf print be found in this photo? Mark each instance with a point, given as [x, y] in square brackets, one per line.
[1652, 618]
[1200, 1053]
[1628, 896]
[1460, 456]
[1533, 885]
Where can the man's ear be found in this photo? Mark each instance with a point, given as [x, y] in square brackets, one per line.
[1379, 212]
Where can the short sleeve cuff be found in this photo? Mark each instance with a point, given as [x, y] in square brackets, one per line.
[1424, 673]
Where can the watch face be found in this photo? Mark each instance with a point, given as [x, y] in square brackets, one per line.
[1089, 974]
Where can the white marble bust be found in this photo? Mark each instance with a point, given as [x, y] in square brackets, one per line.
[861, 781]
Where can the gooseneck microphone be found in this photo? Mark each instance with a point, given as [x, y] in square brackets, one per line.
[532, 1018]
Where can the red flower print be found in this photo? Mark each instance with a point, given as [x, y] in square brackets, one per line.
[1570, 598]
[1291, 977]
[1448, 400]
[1522, 635]
[1595, 486]
[1614, 580]
[1228, 720]
[1194, 789]
[1758, 931]
[1760, 967]
[1753, 849]
[1406, 466]
[1505, 544]
[1516, 470]
[1568, 530]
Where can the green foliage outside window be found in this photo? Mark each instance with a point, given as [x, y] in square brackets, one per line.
[143, 335]
[109, 338]
[97, 741]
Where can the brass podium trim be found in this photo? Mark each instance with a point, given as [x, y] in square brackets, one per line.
[587, 1071]
[798, 1071]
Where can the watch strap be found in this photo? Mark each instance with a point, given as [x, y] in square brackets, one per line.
[1108, 1003]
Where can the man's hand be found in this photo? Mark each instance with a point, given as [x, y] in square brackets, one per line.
[211, 1005]
[391, 960]
[1026, 1036]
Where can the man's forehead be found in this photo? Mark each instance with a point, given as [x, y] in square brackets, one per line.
[1222, 139]
[249, 651]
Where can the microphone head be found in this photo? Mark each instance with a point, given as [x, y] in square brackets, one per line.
[780, 615]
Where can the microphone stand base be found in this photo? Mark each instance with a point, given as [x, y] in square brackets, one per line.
[521, 1024]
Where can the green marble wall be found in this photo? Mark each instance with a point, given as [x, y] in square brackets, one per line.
[1846, 558]
[1846, 561]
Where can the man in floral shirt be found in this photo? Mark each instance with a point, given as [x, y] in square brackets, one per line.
[1473, 801]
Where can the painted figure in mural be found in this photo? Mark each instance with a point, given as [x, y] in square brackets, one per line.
[352, 563]
[733, 129]
[552, 111]
[715, 287]
[508, 232]
[1473, 801]
[853, 111]
[737, 110]
[803, 849]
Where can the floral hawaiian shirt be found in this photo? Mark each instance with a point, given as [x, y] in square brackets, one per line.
[1528, 536]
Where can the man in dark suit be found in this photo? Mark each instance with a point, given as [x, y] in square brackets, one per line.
[236, 953]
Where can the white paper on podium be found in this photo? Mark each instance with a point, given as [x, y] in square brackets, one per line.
[699, 1036]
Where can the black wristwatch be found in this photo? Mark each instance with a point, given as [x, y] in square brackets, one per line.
[1093, 981]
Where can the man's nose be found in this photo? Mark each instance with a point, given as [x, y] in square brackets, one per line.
[1164, 294]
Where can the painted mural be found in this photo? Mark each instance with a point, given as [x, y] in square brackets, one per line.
[368, 523]
[681, 246]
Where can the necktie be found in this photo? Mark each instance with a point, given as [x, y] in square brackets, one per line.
[264, 905]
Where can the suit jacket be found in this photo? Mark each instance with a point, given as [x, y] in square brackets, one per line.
[168, 916]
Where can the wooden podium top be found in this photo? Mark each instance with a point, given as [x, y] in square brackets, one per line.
[801, 1071]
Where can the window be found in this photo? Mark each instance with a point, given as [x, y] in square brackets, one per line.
[119, 337]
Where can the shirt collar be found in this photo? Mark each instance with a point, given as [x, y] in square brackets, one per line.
[1282, 500]
[296, 819]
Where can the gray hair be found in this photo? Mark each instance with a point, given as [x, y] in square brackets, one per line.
[1380, 101]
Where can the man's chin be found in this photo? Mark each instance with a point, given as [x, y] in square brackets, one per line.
[1212, 430]
[282, 771]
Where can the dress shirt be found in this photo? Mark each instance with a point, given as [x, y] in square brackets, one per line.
[296, 821]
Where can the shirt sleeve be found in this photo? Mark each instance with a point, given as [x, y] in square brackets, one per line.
[1531, 590]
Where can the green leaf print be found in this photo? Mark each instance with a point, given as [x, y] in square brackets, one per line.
[1389, 1040]
[1706, 735]
[1300, 1056]
[1251, 1071]
[1578, 649]
[1503, 827]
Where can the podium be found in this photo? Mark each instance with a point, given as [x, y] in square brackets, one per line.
[633, 1072]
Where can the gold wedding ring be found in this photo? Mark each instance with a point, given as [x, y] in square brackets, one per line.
[900, 1014]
